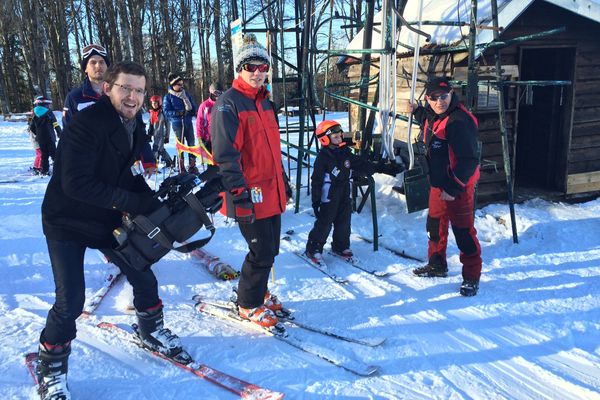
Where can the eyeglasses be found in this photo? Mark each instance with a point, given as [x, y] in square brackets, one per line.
[440, 97]
[94, 48]
[126, 90]
[254, 67]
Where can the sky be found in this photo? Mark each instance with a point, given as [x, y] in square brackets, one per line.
[532, 332]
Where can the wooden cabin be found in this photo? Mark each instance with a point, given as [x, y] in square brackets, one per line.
[554, 131]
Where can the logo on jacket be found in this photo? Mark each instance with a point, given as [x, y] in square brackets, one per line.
[223, 107]
[347, 164]
[335, 172]
[436, 145]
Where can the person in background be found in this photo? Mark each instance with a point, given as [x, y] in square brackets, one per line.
[245, 145]
[203, 117]
[93, 184]
[45, 129]
[94, 62]
[159, 130]
[331, 182]
[179, 108]
[450, 133]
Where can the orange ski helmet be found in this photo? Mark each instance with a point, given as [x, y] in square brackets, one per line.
[324, 130]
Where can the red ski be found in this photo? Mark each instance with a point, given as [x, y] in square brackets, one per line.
[242, 388]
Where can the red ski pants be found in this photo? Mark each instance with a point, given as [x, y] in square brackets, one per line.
[458, 213]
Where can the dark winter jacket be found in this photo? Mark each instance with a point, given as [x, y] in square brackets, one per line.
[44, 126]
[331, 180]
[174, 109]
[93, 182]
[78, 99]
[245, 144]
[451, 140]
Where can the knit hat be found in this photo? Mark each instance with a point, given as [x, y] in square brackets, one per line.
[250, 50]
[93, 50]
[174, 78]
[41, 101]
[215, 86]
[438, 84]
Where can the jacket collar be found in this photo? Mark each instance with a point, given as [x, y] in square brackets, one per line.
[88, 89]
[256, 94]
[118, 134]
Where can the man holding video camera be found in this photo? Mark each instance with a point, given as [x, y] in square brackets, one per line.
[92, 186]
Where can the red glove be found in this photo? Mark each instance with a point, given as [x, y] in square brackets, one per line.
[244, 208]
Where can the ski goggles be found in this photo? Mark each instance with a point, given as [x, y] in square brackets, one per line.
[94, 48]
[335, 129]
[442, 97]
[254, 67]
[217, 93]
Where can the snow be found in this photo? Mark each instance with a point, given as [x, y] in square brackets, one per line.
[532, 332]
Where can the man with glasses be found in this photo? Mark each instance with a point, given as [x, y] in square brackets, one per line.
[450, 133]
[203, 117]
[245, 144]
[92, 186]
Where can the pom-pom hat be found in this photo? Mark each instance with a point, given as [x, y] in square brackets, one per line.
[251, 50]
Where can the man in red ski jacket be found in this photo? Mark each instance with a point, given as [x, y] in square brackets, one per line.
[450, 133]
[245, 144]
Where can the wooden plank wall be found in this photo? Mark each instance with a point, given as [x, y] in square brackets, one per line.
[583, 164]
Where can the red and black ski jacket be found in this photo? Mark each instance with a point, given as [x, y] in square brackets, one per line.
[246, 146]
[451, 140]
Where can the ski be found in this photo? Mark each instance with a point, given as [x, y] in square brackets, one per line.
[287, 317]
[32, 361]
[93, 303]
[279, 332]
[237, 386]
[214, 265]
[323, 267]
[356, 263]
[399, 253]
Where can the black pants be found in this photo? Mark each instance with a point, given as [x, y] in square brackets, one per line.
[67, 267]
[262, 237]
[337, 214]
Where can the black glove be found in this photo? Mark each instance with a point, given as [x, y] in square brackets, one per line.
[244, 208]
[209, 195]
[316, 208]
[389, 168]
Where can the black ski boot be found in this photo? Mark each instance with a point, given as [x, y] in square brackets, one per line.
[436, 267]
[151, 331]
[469, 288]
[52, 371]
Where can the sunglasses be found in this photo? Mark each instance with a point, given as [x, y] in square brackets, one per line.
[94, 48]
[254, 67]
[440, 97]
[217, 93]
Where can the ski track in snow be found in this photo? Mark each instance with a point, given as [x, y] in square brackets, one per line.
[532, 332]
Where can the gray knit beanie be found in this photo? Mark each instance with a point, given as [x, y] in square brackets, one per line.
[250, 50]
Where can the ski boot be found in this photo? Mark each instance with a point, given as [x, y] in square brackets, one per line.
[347, 254]
[469, 287]
[436, 267]
[153, 335]
[52, 371]
[192, 169]
[272, 302]
[260, 315]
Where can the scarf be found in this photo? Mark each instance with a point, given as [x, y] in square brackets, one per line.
[183, 96]
[154, 115]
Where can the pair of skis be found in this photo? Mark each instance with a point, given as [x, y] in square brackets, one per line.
[323, 266]
[228, 311]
